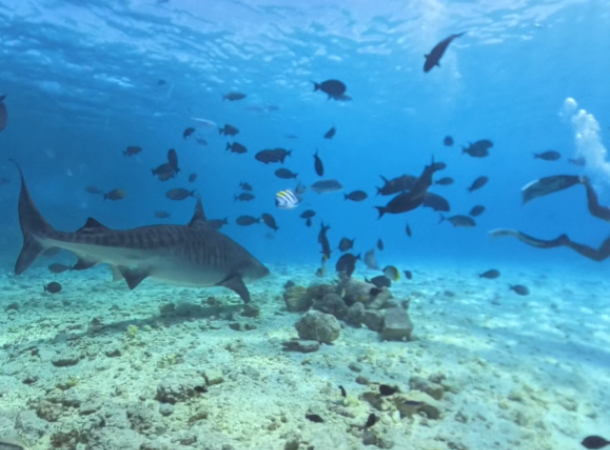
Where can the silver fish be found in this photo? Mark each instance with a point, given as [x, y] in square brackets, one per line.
[193, 255]
[370, 261]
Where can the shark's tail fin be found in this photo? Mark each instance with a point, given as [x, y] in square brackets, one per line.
[32, 224]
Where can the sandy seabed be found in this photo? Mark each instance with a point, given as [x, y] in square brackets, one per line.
[100, 367]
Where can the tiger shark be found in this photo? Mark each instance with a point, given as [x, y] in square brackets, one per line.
[192, 255]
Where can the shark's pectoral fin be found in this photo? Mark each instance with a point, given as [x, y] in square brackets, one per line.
[83, 264]
[133, 276]
[116, 273]
[236, 284]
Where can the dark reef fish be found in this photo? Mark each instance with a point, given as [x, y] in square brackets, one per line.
[192, 177]
[132, 150]
[594, 442]
[323, 240]
[333, 88]
[434, 57]
[519, 289]
[236, 147]
[179, 194]
[330, 133]
[169, 169]
[356, 196]
[318, 164]
[245, 186]
[480, 149]
[58, 268]
[52, 288]
[187, 132]
[234, 96]
[228, 130]
[269, 220]
[244, 197]
[548, 185]
[192, 255]
[346, 244]
[380, 245]
[272, 156]
[478, 183]
[285, 174]
[347, 264]
[448, 141]
[436, 202]
[490, 274]
[326, 186]
[246, 220]
[459, 220]
[162, 215]
[477, 210]
[445, 181]
[115, 194]
[549, 155]
[396, 185]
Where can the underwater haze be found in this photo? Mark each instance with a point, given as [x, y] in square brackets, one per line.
[199, 349]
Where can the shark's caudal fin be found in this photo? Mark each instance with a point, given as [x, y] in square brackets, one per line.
[32, 224]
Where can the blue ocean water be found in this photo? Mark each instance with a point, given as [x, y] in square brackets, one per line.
[84, 80]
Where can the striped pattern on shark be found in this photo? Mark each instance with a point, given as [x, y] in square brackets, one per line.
[192, 255]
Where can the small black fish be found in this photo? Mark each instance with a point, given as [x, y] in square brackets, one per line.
[356, 196]
[245, 186]
[58, 268]
[179, 194]
[345, 244]
[187, 132]
[245, 221]
[308, 214]
[446, 181]
[408, 230]
[520, 289]
[379, 244]
[408, 274]
[372, 420]
[594, 442]
[323, 240]
[234, 96]
[272, 156]
[269, 220]
[115, 194]
[314, 418]
[132, 150]
[330, 133]
[236, 147]
[436, 202]
[387, 390]
[347, 264]
[52, 288]
[478, 183]
[434, 57]
[448, 141]
[343, 393]
[477, 210]
[161, 82]
[380, 281]
[192, 177]
[490, 274]
[285, 174]
[228, 130]
[396, 185]
[318, 165]
[459, 220]
[217, 224]
[161, 215]
[244, 197]
[335, 89]
[480, 149]
[550, 155]
[308, 222]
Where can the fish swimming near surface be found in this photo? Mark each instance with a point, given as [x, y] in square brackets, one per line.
[272, 156]
[480, 149]
[396, 185]
[269, 220]
[346, 244]
[548, 185]
[335, 89]
[228, 130]
[434, 57]
[187, 132]
[459, 220]
[370, 261]
[478, 183]
[287, 199]
[236, 147]
[179, 194]
[244, 197]
[192, 255]
[132, 150]
[323, 240]
[3, 113]
[356, 196]
[285, 174]
[326, 186]
[234, 96]
[448, 141]
[318, 165]
[330, 133]
[115, 194]
[549, 155]
[477, 210]
[436, 202]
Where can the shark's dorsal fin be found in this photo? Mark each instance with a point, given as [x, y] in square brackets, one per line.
[92, 224]
[199, 216]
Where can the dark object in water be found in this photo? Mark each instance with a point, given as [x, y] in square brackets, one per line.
[58, 268]
[436, 202]
[285, 174]
[244, 197]
[326, 186]
[3, 113]
[330, 133]
[379, 244]
[446, 181]
[289, 284]
[228, 130]
[179, 194]
[594, 442]
[308, 214]
[490, 274]
[387, 390]
[380, 281]
[323, 240]
[272, 156]
[245, 221]
[333, 88]
[52, 288]
[245, 186]
[547, 185]
[192, 177]
[477, 210]
[478, 183]
[236, 147]
[408, 274]
[480, 149]
[115, 194]
[408, 230]
[396, 185]
[448, 141]
[356, 196]
[519, 289]
[187, 132]
[372, 420]
[343, 393]
[132, 150]
[345, 244]
[234, 96]
[269, 220]
[459, 220]
[308, 222]
[434, 57]
[314, 418]
[370, 260]
[549, 155]
[318, 165]
[200, 389]
[347, 264]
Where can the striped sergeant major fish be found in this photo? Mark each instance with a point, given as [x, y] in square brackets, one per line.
[287, 199]
[193, 255]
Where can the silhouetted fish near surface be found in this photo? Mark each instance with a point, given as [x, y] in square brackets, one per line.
[323, 240]
[356, 196]
[549, 155]
[434, 57]
[192, 177]
[234, 96]
[579, 162]
[52, 288]
[477, 210]
[3, 113]
[245, 186]
[58, 268]
[370, 261]
[448, 141]
[333, 88]
[446, 181]
[548, 185]
[330, 133]
[396, 185]
[115, 194]
[93, 190]
[244, 197]
[272, 156]
[478, 183]
[519, 289]
[380, 244]
[285, 174]
[326, 186]
[192, 255]
[132, 150]
[318, 165]
[269, 220]
[217, 224]
[228, 130]
[408, 231]
[346, 244]
[480, 149]
[236, 147]
[308, 214]
[490, 274]
[436, 202]
[594, 442]
[459, 220]
[161, 215]
[347, 264]
[179, 194]
[187, 132]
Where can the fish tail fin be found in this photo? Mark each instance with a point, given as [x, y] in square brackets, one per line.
[33, 225]
[378, 190]
[381, 210]
[345, 195]
[227, 148]
[224, 97]
[316, 86]
[536, 155]
[442, 219]
[235, 198]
